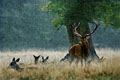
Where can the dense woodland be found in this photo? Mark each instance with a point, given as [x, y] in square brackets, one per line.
[23, 25]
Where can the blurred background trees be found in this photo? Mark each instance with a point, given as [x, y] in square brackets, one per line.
[23, 25]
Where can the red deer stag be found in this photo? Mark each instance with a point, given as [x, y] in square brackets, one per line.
[81, 51]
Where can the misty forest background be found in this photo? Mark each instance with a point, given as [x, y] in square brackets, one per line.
[23, 25]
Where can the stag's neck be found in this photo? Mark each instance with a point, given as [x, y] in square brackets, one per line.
[85, 47]
[84, 44]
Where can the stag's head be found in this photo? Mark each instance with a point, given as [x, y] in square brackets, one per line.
[84, 38]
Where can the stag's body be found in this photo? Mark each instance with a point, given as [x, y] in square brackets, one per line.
[81, 51]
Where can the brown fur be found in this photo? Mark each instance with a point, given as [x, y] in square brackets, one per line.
[80, 51]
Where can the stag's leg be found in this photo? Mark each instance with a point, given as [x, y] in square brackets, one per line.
[89, 61]
[71, 60]
[77, 61]
[81, 61]
[85, 62]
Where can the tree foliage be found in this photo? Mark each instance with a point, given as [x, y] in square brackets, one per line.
[83, 11]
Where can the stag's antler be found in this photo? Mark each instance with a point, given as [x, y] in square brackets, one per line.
[97, 24]
[75, 26]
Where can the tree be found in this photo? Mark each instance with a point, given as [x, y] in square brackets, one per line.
[69, 12]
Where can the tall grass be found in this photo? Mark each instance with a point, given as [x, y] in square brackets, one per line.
[107, 70]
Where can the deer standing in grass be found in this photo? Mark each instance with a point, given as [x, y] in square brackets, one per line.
[81, 51]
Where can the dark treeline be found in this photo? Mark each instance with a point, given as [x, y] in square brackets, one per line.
[0, 22]
[23, 25]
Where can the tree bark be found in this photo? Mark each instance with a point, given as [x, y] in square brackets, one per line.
[83, 29]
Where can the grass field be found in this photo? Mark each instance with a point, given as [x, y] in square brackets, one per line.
[53, 70]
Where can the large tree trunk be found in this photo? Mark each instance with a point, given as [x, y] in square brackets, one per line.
[83, 29]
